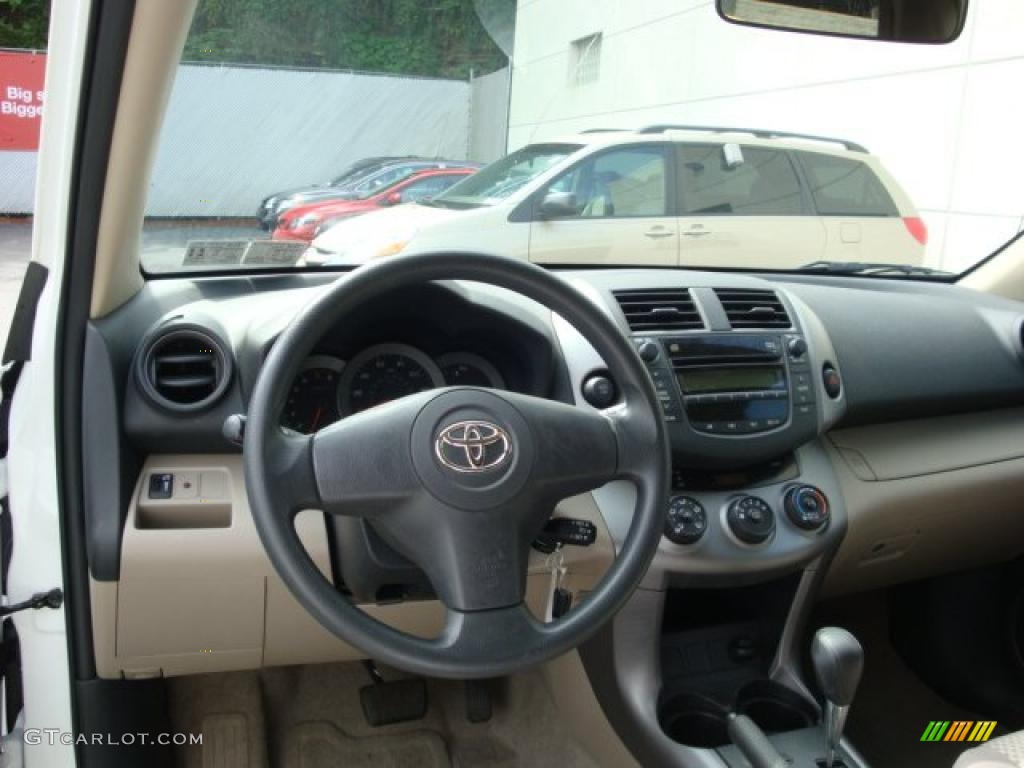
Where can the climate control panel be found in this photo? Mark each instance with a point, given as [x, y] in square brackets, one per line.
[748, 519]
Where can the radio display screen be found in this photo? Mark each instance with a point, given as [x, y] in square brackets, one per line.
[700, 380]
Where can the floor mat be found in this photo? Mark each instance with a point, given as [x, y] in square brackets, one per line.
[322, 745]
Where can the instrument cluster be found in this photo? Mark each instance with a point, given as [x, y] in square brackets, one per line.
[328, 388]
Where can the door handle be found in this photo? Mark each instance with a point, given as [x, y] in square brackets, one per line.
[697, 232]
[659, 233]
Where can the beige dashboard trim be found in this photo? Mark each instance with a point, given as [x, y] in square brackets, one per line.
[927, 497]
[158, 33]
[926, 446]
[198, 594]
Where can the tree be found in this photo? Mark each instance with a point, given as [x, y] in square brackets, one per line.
[24, 23]
[442, 38]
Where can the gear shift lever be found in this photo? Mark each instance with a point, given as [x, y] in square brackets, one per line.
[838, 662]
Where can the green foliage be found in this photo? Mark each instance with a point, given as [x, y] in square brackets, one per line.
[24, 23]
[441, 38]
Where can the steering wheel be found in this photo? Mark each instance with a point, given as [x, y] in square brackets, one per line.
[460, 480]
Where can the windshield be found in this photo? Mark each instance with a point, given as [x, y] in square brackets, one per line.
[604, 133]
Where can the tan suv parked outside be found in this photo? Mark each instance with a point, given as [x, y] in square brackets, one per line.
[663, 195]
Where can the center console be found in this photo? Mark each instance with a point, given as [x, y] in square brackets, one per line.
[748, 381]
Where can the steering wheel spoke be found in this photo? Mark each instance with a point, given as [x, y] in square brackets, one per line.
[362, 464]
[638, 438]
[576, 448]
[289, 472]
[475, 560]
[473, 635]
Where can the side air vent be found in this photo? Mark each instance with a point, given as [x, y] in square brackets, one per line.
[659, 309]
[184, 369]
[747, 308]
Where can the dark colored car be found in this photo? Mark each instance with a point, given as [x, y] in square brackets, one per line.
[303, 222]
[268, 205]
[358, 184]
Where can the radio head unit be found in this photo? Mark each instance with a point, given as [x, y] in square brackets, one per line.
[717, 386]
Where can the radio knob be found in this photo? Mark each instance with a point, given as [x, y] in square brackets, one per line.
[797, 347]
[686, 520]
[648, 350]
[751, 519]
[806, 507]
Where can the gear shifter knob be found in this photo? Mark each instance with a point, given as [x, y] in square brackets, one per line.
[838, 662]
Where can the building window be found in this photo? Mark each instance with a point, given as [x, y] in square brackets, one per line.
[585, 60]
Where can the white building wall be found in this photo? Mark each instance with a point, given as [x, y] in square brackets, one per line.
[945, 120]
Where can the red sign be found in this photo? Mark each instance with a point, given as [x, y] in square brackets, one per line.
[21, 99]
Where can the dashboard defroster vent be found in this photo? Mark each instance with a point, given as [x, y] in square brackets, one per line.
[748, 308]
[659, 309]
[184, 369]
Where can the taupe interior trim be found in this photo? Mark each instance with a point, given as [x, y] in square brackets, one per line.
[916, 512]
[926, 446]
[1002, 275]
[159, 29]
[198, 594]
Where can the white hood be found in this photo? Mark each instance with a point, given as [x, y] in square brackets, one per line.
[361, 238]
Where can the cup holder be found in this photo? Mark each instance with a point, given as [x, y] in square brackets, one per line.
[774, 707]
[694, 720]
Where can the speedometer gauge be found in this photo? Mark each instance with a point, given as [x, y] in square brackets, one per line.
[465, 369]
[383, 373]
[313, 401]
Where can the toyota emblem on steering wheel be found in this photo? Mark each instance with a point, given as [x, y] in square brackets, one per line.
[473, 446]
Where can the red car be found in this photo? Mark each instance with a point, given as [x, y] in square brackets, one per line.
[304, 222]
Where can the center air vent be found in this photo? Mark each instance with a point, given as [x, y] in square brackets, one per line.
[184, 369]
[747, 308]
[659, 309]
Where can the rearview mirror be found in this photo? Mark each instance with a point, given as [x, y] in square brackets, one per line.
[558, 205]
[900, 21]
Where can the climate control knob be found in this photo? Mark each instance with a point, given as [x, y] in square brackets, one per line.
[806, 507]
[751, 519]
[686, 520]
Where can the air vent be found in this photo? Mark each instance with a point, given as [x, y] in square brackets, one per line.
[748, 308]
[659, 309]
[184, 369]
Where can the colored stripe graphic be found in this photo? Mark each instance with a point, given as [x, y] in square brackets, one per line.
[959, 730]
[983, 731]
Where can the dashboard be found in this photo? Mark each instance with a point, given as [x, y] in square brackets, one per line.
[816, 422]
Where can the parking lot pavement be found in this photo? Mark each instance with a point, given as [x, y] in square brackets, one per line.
[163, 246]
[15, 250]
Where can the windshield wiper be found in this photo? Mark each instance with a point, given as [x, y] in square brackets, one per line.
[871, 268]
